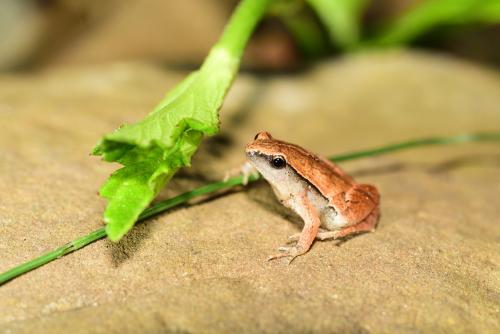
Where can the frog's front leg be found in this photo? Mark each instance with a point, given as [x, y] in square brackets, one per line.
[309, 214]
[247, 170]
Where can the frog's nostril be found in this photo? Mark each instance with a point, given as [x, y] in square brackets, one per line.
[251, 154]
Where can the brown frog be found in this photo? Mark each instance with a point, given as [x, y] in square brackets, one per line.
[329, 201]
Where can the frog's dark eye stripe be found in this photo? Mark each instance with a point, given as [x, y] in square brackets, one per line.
[278, 162]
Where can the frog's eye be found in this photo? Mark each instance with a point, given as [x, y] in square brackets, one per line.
[278, 162]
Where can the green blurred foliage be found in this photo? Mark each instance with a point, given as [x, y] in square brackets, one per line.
[432, 14]
[343, 21]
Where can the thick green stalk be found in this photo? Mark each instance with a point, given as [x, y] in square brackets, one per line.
[241, 26]
[235, 181]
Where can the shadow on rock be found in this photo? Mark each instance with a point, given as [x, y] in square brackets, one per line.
[262, 194]
[470, 160]
[123, 250]
[380, 170]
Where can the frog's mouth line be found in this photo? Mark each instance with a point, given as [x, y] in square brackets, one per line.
[254, 154]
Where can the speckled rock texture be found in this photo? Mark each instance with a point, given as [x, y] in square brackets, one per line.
[432, 266]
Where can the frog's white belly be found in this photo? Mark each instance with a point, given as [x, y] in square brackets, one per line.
[330, 219]
[288, 195]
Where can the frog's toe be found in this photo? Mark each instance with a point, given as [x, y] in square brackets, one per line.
[284, 252]
[327, 235]
[294, 237]
[293, 257]
[277, 256]
[292, 252]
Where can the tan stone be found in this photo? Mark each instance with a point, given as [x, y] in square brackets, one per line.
[431, 266]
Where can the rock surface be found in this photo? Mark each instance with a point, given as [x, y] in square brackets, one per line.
[175, 32]
[433, 265]
[169, 31]
[80, 31]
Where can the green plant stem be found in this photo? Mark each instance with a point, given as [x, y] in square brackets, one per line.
[232, 182]
[466, 138]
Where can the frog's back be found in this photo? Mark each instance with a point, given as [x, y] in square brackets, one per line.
[324, 175]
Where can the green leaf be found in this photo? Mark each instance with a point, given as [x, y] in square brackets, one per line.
[433, 13]
[152, 150]
[342, 19]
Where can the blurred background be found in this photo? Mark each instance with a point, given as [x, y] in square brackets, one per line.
[42, 33]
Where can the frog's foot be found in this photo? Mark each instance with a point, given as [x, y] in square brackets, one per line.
[246, 170]
[291, 252]
[284, 252]
[328, 235]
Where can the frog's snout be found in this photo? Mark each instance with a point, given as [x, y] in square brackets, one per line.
[251, 154]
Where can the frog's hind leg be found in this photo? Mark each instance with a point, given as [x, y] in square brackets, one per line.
[356, 204]
[366, 225]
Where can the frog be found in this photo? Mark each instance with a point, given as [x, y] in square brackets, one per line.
[330, 202]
